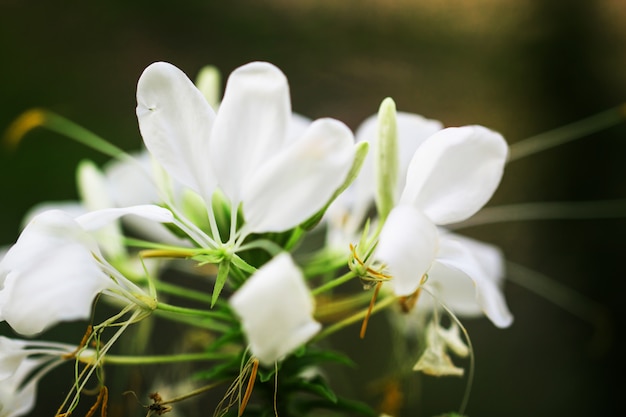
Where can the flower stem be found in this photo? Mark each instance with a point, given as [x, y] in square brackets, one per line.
[193, 312]
[334, 283]
[386, 302]
[183, 292]
[159, 359]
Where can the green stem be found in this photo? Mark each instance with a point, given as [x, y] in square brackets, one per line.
[159, 359]
[144, 244]
[294, 239]
[183, 292]
[193, 312]
[202, 322]
[353, 319]
[334, 283]
[324, 262]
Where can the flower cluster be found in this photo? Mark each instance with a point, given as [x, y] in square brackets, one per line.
[236, 194]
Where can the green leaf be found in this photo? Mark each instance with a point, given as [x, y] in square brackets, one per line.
[315, 356]
[222, 275]
[318, 386]
[223, 371]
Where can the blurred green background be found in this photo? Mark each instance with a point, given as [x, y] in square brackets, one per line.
[520, 67]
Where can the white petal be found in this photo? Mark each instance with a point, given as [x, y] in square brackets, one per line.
[251, 124]
[298, 125]
[45, 231]
[94, 193]
[276, 310]
[72, 208]
[465, 285]
[407, 245]
[96, 219]
[175, 121]
[49, 275]
[489, 257]
[299, 181]
[12, 353]
[131, 184]
[17, 398]
[412, 131]
[455, 172]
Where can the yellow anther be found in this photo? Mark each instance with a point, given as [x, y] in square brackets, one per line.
[26, 122]
[366, 272]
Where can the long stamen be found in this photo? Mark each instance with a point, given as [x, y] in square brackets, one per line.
[102, 397]
[369, 310]
[567, 133]
[561, 210]
[248, 393]
[472, 359]
[81, 345]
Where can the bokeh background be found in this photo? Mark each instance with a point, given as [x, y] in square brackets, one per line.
[520, 67]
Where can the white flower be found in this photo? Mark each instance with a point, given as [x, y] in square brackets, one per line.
[348, 212]
[17, 397]
[55, 269]
[244, 149]
[22, 364]
[450, 177]
[276, 310]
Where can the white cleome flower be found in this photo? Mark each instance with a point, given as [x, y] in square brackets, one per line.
[348, 212]
[245, 148]
[17, 395]
[450, 177]
[55, 269]
[276, 310]
[22, 364]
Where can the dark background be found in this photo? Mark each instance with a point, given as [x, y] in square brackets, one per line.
[520, 67]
